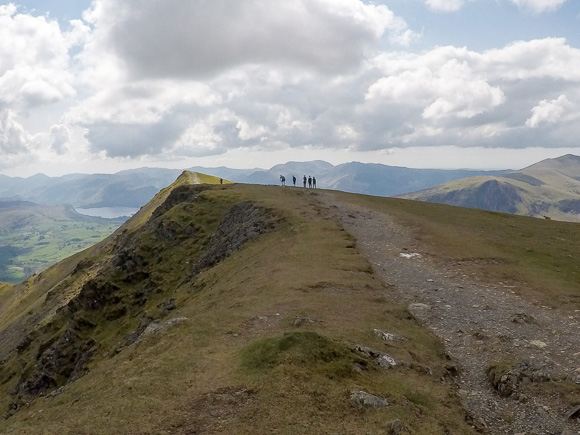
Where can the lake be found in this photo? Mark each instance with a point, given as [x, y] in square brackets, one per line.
[108, 212]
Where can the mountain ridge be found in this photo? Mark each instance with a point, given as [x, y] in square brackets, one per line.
[133, 188]
[550, 189]
[233, 308]
[201, 283]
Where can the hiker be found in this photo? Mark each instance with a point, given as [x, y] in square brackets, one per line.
[294, 180]
[282, 180]
[304, 180]
[309, 181]
[221, 181]
[314, 182]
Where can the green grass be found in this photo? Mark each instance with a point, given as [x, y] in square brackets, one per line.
[299, 348]
[44, 241]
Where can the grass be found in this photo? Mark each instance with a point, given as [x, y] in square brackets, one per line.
[237, 364]
[536, 258]
[42, 240]
[302, 348]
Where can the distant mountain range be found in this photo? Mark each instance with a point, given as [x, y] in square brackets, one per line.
[134, 188]
[550, 188]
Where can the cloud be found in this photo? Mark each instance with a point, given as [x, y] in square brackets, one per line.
[34, 53]
[133, 140]
[175, 63]
[445, 5]
[450, 90]
[61, 136]
[539, 6]
[548, 112]
[173, 80]
[13, 137]
[452, 95]
[172, 38]
[444, 96]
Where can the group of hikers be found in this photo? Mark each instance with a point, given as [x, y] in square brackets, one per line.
[310, 180]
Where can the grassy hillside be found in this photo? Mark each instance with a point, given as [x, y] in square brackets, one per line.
[550, 188]
[258, 301]
[239, 309]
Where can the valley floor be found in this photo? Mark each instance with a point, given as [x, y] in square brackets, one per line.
[518, 362]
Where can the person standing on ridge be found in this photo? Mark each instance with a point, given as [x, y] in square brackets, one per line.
[314, 182]
[294, 180]
[309, 181]
[304, 180]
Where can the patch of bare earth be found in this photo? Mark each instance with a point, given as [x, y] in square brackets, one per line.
[212, 412]
[518, 364]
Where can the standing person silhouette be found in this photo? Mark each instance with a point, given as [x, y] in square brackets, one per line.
[314, 182]
[309, 181]
[294, 180]
[304, 180]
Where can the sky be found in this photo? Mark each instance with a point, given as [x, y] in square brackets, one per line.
[102, 85]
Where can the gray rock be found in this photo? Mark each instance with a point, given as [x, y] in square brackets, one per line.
[573, 413]
[523, 318]
[396, 427]
[387, 336]
[386, 362]
[366, 399]
[382, 359]
[156, 327]
[302, 320]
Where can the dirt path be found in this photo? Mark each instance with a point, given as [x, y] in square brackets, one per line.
[481, 325]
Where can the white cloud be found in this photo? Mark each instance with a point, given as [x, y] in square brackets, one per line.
[178, 64]
[13, 137]
[550, 58]
[539, 6]
[61, 136]
[452, 95]
[34, 54]
[548, 112]
[445, 5]
[451, 89]
[170, 79]
[179, 39]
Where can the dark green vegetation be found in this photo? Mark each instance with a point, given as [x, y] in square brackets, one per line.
[239, 309]
[550, 188]
[33, 237]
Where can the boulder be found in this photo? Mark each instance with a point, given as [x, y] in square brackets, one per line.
[366, 399]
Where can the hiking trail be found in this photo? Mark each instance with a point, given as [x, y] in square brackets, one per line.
[481, 325]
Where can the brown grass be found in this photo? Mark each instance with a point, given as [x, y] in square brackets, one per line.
[195, 377]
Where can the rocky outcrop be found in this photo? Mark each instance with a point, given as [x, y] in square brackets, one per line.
[243, 222]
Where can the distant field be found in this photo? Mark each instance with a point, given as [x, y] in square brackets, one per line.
[33, 238]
